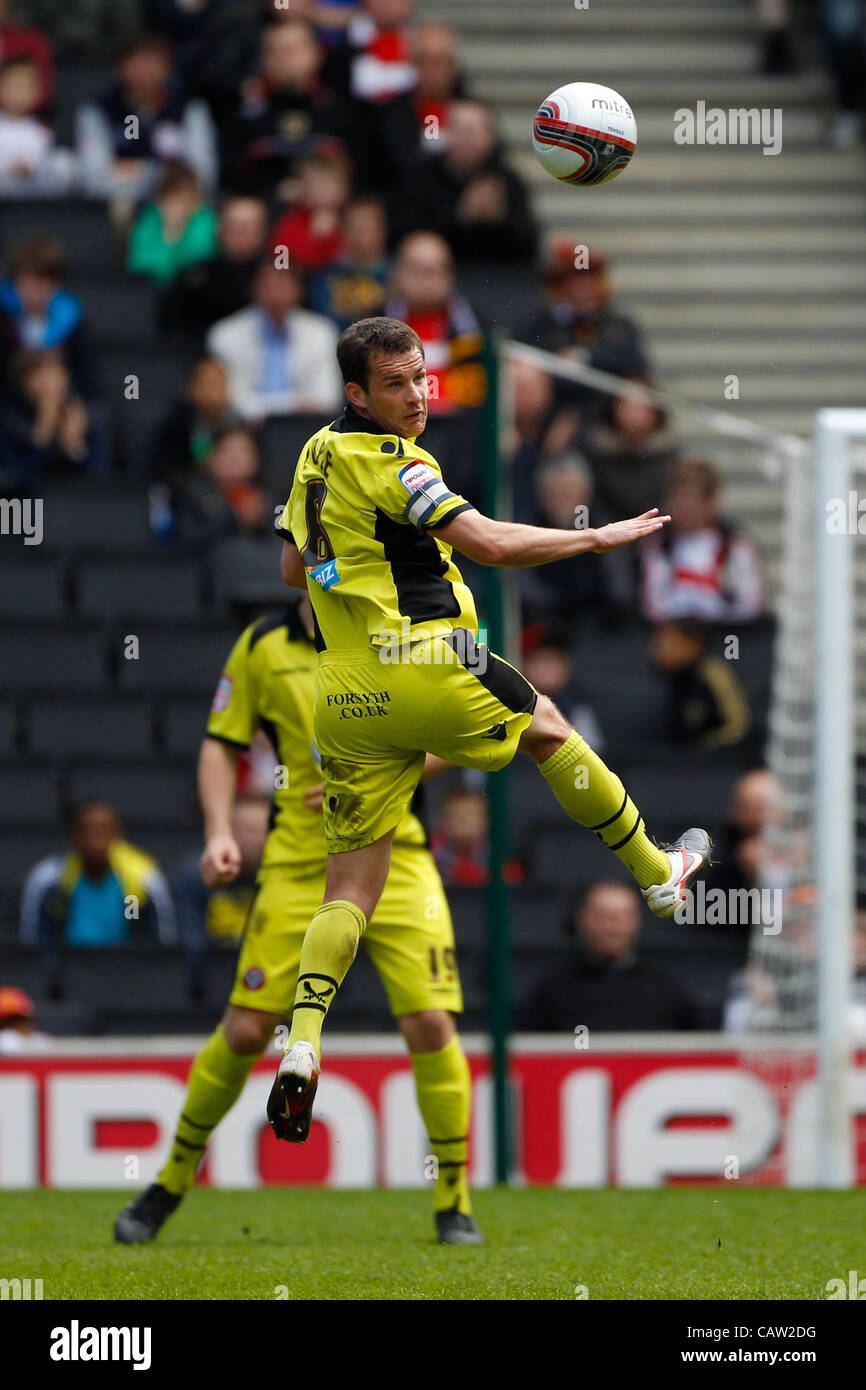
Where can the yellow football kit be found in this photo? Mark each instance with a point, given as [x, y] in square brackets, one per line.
[268, 684]
[401, 670]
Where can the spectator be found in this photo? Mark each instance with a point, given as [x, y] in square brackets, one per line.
[631, 454]
[218, 915]
[579, 323]
[31, 164]
[777, 51]
[423, 295]
[701, 566]
[311, 231]
[460, 844]
[45, 427]
[375, 61]
[18, 1031]
[558, 592]
[186, 434]
[175, 231]
[754, 805]
[19, 42]
[282, 108]
[279, 358]
[104, 892]
[469, 194]
[37, 311]
[415, 124]
[549, 665]
[222, 283]
[216, 44]
[354, 286]
[707, 707]
[225, 496]
[606, 985]
[843, 25]
[143, 121]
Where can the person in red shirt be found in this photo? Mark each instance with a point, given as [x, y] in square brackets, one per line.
[311, 231]
[461, 843]
[17, 42]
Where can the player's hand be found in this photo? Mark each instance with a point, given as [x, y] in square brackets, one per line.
[221, 860]
[313, 798]
[619, 533]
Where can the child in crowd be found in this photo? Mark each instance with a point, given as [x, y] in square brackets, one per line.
[176, 230]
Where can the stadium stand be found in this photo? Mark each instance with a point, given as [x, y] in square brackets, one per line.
[82, 715]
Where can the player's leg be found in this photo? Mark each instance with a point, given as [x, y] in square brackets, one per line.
[261, 998]
[410, 941]
[354, 883]
[595, 797]
[443, 1086]
[216, 1079]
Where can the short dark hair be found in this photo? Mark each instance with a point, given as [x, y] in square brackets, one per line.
[41, 256]
[381, 335]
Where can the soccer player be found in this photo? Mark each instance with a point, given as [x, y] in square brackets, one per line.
[268, 683]
[372, 523]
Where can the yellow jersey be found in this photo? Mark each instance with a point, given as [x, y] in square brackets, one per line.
[268, 683]
[363, 512]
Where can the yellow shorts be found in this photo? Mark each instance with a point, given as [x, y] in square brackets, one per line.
[409, 938]
[377, 715]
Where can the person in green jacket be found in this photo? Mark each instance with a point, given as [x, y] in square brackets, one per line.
[175, 231]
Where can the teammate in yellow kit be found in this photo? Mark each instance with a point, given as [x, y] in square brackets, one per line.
[268, 683]
[369, 527]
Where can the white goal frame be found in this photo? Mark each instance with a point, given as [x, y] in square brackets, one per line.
[835, 802]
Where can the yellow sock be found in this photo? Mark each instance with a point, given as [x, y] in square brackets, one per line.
[216, 1079]
[594, 796]
[443, 1085]
[329, 948]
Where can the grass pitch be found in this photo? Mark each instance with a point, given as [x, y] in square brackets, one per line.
[686, 1243]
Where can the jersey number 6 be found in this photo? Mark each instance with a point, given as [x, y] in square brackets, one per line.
[318, 548]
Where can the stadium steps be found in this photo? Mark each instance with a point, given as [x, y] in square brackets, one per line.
[732, 261]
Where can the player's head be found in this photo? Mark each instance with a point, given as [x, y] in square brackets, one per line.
[382, 363]
[95, 827]
[607, 919]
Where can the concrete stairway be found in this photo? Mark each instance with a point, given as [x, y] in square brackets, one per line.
[734, 261]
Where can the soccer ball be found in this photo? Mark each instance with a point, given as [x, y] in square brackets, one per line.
[584, 133]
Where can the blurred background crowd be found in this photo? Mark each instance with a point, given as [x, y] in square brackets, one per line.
[197, 197]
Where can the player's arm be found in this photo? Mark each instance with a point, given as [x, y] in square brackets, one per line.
[512, 545]
[292, 566]
[217, 779]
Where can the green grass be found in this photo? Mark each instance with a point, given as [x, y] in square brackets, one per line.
[694, 1243]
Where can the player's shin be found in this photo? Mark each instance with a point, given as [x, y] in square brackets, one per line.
[443, 1086]
[595, 797]
[330, 946]
[216, 1079]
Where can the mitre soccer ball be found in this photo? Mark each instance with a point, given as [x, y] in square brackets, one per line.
[584, 133]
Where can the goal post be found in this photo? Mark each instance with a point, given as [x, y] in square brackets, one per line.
[836, 433]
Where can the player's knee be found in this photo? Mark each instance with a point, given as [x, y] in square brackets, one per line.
[428, 1031]
[246, 1031]
[547, 731]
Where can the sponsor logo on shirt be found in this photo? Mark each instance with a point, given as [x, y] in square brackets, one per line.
[415, 475]
[326, 575]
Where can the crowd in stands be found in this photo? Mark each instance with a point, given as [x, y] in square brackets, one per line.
[271, 174]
